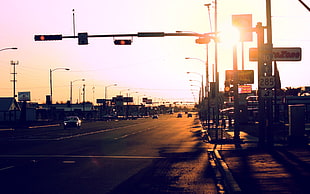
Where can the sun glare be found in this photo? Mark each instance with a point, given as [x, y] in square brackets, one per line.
[229, 35]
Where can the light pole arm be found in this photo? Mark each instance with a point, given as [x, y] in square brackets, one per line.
[14, 48]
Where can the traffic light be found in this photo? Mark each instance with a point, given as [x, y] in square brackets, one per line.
[47, 37]
[204, 40]
[227, 88]
[83, 38]
[122, 42]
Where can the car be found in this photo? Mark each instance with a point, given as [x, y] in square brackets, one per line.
[189, 115]
[72, 121]
[155, 116]
[179, 115]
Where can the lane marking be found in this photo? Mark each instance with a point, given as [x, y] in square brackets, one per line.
[41, 126]
[133, 133]
[6, 168]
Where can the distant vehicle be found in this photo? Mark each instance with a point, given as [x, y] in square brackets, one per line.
[179, 115]
[189, 115]
[155, 116]
[72, 121]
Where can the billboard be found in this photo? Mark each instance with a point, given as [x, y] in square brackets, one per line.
[245, 89]
[128, 99]
[23, 96]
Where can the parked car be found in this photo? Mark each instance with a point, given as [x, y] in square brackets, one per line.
[189, 115]
[72, 121]
[179, 115]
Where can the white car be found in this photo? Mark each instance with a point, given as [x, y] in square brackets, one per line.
[72, 121]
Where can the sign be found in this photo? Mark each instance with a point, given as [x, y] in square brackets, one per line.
[23, 96]
[245, 89]
[118, 100]
[266, 82]
[267, 93]
[244, 76]
[279, 54]
[128, 99]
[244, 23]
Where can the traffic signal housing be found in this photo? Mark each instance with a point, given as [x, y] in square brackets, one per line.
[83, 38]
[123, 42]
[227, 88]
[47, 37]
[203, 40]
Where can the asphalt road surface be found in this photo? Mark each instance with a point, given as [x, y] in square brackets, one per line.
[164, 155]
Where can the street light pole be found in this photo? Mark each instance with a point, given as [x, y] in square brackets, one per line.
[106, 89]
[51, 81]
[206, 63]
[202, 89]
[71, 85]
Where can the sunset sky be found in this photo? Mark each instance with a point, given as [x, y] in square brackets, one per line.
[150, 67]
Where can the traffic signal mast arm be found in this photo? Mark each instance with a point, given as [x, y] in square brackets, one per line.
[147, 34]
[139, 34]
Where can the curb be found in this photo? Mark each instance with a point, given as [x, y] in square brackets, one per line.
[229, 181]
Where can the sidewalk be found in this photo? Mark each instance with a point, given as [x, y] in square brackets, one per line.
[279, 169]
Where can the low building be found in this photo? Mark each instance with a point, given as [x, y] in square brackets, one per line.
[9, 109]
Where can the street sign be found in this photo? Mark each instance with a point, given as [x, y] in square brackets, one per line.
[278, 54]
[267, 93]
[266, 82]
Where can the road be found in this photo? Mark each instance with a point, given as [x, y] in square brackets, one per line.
[164, 155]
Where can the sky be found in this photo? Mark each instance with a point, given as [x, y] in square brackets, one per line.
[152, 67]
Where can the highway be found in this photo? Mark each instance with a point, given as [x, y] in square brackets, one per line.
[164, 155]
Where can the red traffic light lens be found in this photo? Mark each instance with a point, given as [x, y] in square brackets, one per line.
[122, 42]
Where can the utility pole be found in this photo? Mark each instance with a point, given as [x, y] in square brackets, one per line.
[260, 69]
[269, 73]
[14, 63]
[83, 98]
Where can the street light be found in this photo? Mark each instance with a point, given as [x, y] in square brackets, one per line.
[202, 90]
[207, 72]
[71, 84]
[14, 48]
[51, 82]
[106, 90]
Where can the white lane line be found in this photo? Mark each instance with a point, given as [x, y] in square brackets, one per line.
[41, 126]
[133, 133]
[6, 168]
